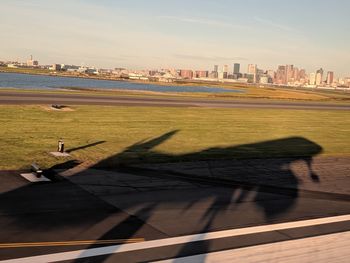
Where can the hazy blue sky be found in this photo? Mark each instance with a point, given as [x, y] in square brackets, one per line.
[178, 33]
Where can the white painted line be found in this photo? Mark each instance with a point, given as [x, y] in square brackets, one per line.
[34, 179]
[326, 248]
[175, 240]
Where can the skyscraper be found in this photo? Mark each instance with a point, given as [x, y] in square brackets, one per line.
[281, 75]
[312, 79]
[330, 77]
[289, 73]
[252, 70]
[215, 72]
[319, 76]
[225, 71]
[216, 68]
[236, 68]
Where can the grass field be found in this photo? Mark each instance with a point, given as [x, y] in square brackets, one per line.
[28, 133]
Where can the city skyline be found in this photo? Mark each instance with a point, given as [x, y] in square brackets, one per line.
[153, 34]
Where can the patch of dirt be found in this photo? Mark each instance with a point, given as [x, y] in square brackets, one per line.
[62, 108]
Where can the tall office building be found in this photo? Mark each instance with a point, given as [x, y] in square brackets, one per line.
[252, 70]
[296, 74]
[215, 72]
[330, 77]
[216, 68]
[302, 74]
[32, 63]
[319, 76]
[225, 71]
[289, 73]
[281, 75]
[236, 68]
[312, 79]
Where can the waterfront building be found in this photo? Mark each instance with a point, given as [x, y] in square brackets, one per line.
[55, 67]
[186, 74]
[31, 62]
[202, 74]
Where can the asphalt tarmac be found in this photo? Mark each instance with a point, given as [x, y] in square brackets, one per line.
[90, 207]
[82, 99]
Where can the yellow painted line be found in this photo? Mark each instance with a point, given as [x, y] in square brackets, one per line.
[70, 243]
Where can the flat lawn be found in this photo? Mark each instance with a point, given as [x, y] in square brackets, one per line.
[28, 133]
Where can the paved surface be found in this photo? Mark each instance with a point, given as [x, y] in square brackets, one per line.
[326, 174]
[328, 248]
[80, 99]
[149, 204]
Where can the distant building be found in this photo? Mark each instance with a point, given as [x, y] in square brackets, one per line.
[202, 74]
[302, 74]
[236, 68]
[281, 75]
[330, 77]
[252, 70]
[31, 62]
[289, 73]
[186, 74]
[271, 73]
[319, 76]
[215, 73]
[137, 76]
[251, 78]
[264, 79]
[56, 67]
[312, 79]
[225, 71]
[216, 68]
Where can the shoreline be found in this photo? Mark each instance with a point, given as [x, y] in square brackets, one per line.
[182, 83]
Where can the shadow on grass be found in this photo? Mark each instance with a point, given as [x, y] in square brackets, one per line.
[69, 206]
[84, 146]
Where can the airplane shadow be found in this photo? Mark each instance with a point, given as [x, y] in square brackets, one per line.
[295, 148]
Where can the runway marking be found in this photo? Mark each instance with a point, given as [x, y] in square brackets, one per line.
[84, 253]
[326, 248]
[70, 243]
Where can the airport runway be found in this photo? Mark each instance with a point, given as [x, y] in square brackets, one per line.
[82, 99]
[104, 216]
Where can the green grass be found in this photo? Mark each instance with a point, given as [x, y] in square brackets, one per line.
[28, 133]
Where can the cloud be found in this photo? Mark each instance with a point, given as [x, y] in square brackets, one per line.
[208, 58]
[201, 21]
[273, 24]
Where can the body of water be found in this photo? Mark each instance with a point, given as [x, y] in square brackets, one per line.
[26, 81]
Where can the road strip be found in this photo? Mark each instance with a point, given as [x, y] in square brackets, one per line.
[70, 243]
[326, 248]
[176, 240]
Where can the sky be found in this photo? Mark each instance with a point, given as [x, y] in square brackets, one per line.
[188, 34]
